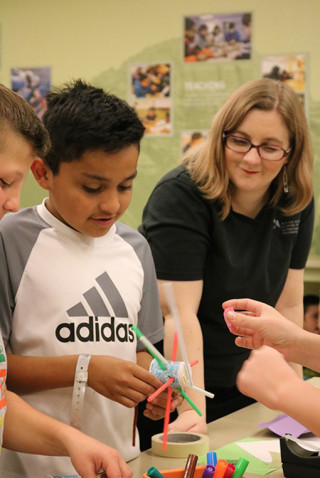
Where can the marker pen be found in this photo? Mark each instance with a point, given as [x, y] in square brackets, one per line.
[153, 472]
[241, 466]
[220, 468]
[211, 458]
[229, 471]
[190, 466]
[208, 472]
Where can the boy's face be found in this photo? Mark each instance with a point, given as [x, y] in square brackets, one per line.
[16, 156]
[92, 193]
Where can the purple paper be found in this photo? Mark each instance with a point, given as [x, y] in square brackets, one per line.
[283, 424]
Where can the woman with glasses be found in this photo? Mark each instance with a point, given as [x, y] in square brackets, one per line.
[235, 219]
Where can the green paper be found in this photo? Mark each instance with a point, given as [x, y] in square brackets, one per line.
[233, 452]
[202, 460]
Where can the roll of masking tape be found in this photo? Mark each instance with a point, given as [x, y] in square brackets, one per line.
[180, 444]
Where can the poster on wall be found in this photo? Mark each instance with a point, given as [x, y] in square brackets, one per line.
[151, 96]
[217, 37]
[33, 85]
[288, 68]
[192, 138]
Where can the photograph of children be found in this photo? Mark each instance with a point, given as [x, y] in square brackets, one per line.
[155, 116]
[192, 138]
[33, 85]
[151, 96]
[288, 68]
[149, 81]
[217, 37]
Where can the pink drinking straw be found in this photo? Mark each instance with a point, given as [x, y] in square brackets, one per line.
[160, 389]
[167, 412]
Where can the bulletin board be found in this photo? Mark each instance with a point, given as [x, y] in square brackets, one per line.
[194, 91]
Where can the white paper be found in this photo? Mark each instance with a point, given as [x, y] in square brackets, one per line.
[261, 448]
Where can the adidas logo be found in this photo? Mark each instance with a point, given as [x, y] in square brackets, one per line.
[96, 303]
[100, 305]
[94, 331]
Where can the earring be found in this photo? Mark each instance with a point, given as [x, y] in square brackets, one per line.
[285, 180]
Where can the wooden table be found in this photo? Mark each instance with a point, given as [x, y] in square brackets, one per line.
[236, 426]
[240, 424]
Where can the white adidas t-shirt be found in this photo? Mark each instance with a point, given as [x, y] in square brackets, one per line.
[73, 294]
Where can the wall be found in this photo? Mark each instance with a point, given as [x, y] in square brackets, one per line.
[99, 39]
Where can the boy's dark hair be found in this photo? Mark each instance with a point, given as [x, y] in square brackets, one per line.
[196, 135]
[188, 23]
[18, 115]
[143, 76]
[81, 118]
[246, 19]
[310, 299]
[202, 27]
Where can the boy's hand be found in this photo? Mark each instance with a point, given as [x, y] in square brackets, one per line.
[189, 421]
[120, 380]
[157, 407]
[89, 456]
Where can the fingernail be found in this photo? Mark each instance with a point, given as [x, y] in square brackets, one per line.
[226, 312]
[231, 315]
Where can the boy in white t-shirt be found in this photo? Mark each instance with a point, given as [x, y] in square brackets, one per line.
[74, 280]
[22, 137]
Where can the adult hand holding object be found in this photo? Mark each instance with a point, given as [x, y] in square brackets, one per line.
[266, 376]
[266, 326]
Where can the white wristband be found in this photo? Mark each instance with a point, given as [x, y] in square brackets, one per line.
[79, 390]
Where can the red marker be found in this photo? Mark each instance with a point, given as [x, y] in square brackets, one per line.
[229, 471]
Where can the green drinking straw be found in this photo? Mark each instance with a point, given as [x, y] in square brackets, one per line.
[161, 361]
[151, 348]
[190, 401]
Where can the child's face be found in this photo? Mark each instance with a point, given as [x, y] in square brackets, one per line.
[91, 194]
[311, 319]
[16, 156]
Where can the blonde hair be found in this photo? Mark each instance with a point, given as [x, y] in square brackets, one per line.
[206, 162]
[19, 116]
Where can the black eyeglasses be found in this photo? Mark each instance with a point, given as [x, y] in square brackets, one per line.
[265, 151]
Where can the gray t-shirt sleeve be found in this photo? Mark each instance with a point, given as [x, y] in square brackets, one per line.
[150, 320]
[18, 235]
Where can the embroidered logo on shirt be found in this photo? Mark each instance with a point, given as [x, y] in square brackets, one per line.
[276, 224]
[287, 227]
[290, 227]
